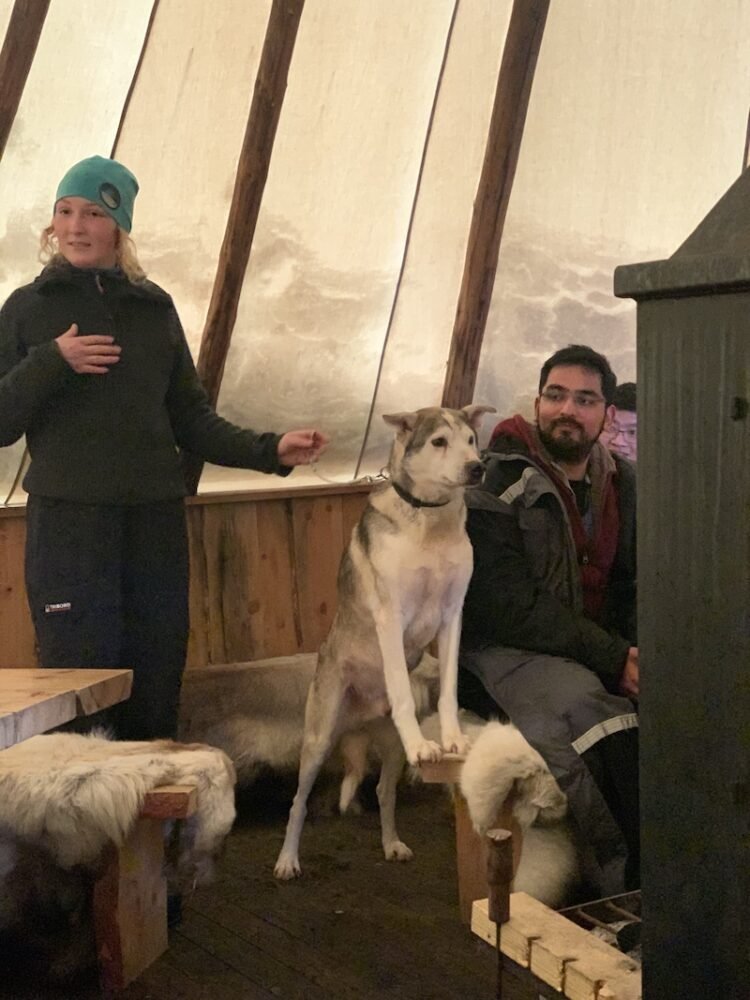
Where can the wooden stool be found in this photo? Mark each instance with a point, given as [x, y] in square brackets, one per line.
[130, 896]
[471, 849]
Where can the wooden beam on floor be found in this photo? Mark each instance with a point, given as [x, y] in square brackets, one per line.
[250, 182]
[16, 56]
[520, 53]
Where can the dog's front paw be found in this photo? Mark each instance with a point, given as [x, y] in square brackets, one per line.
[397, 851]
[425, 751]
[287, 867]
[457, 743]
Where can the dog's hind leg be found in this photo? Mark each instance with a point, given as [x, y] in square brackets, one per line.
[451, 737]
[354, 748]
[388, 745]
[321, 723]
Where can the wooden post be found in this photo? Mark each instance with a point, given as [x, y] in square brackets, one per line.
[130, 893]
[250, 182]
[16, 56]
[522, 46]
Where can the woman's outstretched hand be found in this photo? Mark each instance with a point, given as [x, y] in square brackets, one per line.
[301, 447]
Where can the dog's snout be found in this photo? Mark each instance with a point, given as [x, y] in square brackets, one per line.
[474, 472]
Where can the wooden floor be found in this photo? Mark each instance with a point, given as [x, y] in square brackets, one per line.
[354, 927]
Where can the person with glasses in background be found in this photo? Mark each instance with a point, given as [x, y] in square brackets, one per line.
[549, 636]
[620, 434]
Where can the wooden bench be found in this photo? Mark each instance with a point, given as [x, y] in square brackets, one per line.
[544, 954]
[130, 896]
[471, 849]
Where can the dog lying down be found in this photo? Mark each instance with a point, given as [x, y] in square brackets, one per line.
[401, 584]
[500, 761]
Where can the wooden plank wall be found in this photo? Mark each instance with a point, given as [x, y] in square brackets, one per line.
[263, 573]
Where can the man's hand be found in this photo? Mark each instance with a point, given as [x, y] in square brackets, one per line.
[629, 682]
[89, 355]
[301, 447]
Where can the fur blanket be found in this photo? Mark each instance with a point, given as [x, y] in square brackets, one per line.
[255, 711]
[70, 795]
[499, 761]
[63, 798]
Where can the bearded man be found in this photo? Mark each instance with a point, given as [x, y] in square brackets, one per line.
[549, 619]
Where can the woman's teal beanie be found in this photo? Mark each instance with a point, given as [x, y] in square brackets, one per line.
[105, 182]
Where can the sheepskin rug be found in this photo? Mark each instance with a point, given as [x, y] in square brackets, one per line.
[255, 712]
[70, 795]
[500, 760]
[63, 798]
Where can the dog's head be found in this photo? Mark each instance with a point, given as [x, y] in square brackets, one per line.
[436, 448]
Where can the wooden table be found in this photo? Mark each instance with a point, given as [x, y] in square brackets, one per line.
[33, 701]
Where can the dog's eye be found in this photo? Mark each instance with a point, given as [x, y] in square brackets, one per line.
[471, 439]
[440, 442]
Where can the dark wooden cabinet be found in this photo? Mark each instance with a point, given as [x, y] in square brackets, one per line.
[694, 606]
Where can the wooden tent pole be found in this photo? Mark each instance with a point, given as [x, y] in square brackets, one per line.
[16, 56]
[514, 81]
[252, 171]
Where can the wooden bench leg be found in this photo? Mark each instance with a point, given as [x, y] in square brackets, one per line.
[130, 896]
[130, 907]
[471, 853]
[471, 849]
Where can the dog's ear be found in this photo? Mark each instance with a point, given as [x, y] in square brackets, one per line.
[404, 422]
[474, 414]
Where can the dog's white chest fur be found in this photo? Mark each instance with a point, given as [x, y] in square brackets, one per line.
[420, 575]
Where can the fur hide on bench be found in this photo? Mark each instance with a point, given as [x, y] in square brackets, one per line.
[72, 795]
[500, 761]
[67, 800]
[255, 712]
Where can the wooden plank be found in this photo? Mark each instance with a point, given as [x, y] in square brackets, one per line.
[250, 182]
[18, 645]
[198, 653]
[318, 544]
[351, 511]
[170, 802]
[279, 629]
[36, 713]
[40, 700]
[130, 907]
[16, 56]
[520, 53]
[446, 771]
[93, 689]
[7, 730]
[559, 952]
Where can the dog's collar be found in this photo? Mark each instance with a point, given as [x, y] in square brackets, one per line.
[415, 501]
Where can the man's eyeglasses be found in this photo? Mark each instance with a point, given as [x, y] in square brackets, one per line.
[628, 432]
[583, 400]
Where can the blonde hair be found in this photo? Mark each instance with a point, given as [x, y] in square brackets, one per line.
[126, 254]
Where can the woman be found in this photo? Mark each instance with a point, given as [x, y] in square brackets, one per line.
[96, 371]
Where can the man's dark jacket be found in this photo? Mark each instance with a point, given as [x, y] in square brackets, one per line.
[526, 589]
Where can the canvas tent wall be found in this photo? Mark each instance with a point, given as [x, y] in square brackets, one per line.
[635, 125]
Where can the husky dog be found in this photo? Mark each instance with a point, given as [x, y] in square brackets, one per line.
[401, 584]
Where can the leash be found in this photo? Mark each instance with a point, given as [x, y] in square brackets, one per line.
[380, 477]
[360, 481]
